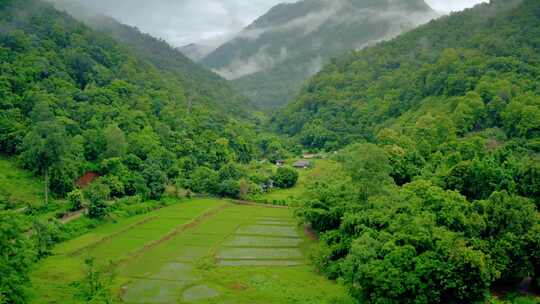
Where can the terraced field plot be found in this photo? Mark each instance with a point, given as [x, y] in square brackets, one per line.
[204, 251]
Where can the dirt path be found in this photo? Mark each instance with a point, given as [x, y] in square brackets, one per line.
[73, 216]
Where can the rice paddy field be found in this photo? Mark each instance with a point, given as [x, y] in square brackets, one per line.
[200, 251]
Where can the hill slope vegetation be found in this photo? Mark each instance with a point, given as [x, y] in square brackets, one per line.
[490, 51]
[201, 85]
[272, 57]
[75, 100]
[441, 133]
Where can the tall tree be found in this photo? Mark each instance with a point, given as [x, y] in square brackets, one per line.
[45, 145]
[369, 168]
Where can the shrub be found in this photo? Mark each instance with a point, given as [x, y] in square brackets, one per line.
[229, 188]
[115, 185]
[155, 181]
[76, 199]
[97, 194]
[285, 177]
[96, 285]
[204, 180]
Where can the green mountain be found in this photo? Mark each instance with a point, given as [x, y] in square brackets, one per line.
[438, 136]
[139, 113]
[272, 57]
[202, 85]
[491, 51]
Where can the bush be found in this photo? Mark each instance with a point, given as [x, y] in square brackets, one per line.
[16, 258]
[136, 184]
[285, 177]
[248, 188]
[97, 194]
[115, 185]
[230, 171]
[45, 236]
[76, 199]
[229, 188]
[96, 285]
[204, 180]
[155, 181]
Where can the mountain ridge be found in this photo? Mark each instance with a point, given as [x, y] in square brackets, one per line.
[206, 85]
[271, 58]
[376, 74]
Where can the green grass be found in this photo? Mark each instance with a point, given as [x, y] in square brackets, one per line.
[514, 298]
[200, 251]
[320, 168]
[19, 187]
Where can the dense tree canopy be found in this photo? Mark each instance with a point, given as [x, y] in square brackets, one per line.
[478, 69]
[16, 258]
[74, 100]
[441, 200]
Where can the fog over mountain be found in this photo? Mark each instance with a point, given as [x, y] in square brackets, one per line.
[255, 42]
[271, 58]
[203, 21]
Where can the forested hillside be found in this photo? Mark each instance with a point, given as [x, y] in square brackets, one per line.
[271, 58]
[74, 100]
[490, 52]
[201, 85]
[440, 130]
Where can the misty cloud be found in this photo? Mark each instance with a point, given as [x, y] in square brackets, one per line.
[447, 6]
[262, 60]
[333, 14]
[315, 65]
[309, 23]
[181, 22]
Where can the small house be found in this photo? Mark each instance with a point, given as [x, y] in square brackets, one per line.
[302, 164]
[280, 162]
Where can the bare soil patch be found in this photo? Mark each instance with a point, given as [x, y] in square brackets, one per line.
[311, 234]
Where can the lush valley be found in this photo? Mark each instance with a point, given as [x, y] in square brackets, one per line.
[405, 172]
[167, 256]
[441, 130]
[76, 101]
[270, 60]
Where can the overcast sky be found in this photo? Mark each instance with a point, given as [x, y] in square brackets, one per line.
[181, 22]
